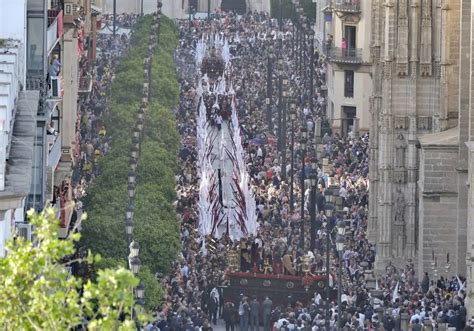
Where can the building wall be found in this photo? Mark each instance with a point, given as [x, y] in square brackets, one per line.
[362, 93]
[413, 58]
[438, 210]
[470, 177]
[13, 26]
[69, 104]
[8, 218]
[173, 8]
[362, 73]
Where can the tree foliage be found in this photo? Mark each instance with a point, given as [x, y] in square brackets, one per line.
[156, 226]
[37, 293]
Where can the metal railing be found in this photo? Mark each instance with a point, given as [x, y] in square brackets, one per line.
[352, 6]
[344, 55]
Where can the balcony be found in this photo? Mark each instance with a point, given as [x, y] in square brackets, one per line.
[347, 6]
[344, 56]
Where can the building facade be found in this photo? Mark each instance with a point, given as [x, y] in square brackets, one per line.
[180, 8]
[419, 126]
[46, 46]
[343, 36]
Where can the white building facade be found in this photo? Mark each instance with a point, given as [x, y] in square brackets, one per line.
[343, 35]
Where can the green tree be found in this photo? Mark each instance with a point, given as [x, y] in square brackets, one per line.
[37, 293]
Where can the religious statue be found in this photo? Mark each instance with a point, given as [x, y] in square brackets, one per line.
[400, 146]
[400, 207]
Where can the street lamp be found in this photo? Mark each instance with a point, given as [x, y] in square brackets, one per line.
[133, 163]
[292, 150]
[132, 177]
[328, 209]
[130, 210]
[134, 264]
[314, 181]
[129, 226]
[131, 191]
[280, 102]
[134, 248]
[284, 126]
[311, 70]
[269, 82]
[140, 291]
[135, 150]
[340, 240]
[303, 138]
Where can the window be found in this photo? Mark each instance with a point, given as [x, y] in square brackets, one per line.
[350, 36]
[348, 83]
[35, 50]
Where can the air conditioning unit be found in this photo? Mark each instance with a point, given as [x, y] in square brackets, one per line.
[24, 230]
[56, 87]
[71, 11]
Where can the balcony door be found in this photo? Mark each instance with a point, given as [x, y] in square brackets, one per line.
[350, 35]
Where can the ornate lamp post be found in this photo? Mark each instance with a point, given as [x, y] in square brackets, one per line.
[284, 127]
[292, 150]
[303, 141]
[328, 208]
[130, 210]
[134, 248]
[280, 103]
[314, 182]
[311, 70]
[129, 227]
[140, 291]
[269, 82]
[134, 264]
[340, 241]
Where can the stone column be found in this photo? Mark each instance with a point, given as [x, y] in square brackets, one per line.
[375, 110]
[384, 236]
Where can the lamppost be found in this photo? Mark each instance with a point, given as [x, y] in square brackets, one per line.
[328, 209]
[114, 31]
[304, 50]
[140, 291]
[208, 10]
[129, 227]
[269, 83]
[314, 182]
[189, 10]
[340, 240]
[292, 150]
[280, 101]
[303, 141]
[284, 128]
[311, 70]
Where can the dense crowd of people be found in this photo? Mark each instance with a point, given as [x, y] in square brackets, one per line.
[194, 299]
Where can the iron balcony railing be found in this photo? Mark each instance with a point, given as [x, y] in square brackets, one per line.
[348, 6]
[344, 55]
